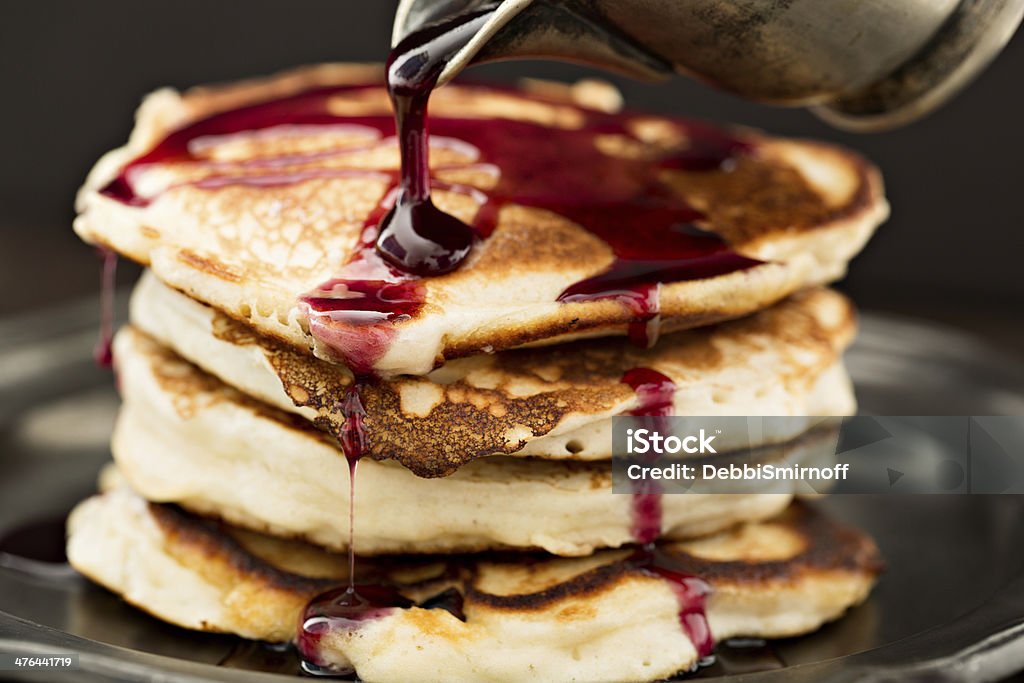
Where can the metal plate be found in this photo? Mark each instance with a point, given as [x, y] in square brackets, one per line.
[950, 607]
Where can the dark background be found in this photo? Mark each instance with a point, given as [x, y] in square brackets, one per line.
[73, 72]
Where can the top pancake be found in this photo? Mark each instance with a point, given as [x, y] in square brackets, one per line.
[251, 222]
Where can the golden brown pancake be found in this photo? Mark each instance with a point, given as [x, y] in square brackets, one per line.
[598, 618]
[184, 437]
[251, 248]
[552, 402]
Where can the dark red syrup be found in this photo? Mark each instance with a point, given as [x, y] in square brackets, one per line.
[709, 149]
[623, 201]
[354, 314]
[346, 607]
[353, 439]
[343, 609]
[416, 237]
[103, 353]
[656, 394]
[691, 592]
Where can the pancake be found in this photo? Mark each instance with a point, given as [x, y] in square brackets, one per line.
[250, 221]
[184, 437]
[594, 619]
[552, 402]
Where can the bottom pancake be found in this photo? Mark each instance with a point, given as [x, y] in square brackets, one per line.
[487, 617]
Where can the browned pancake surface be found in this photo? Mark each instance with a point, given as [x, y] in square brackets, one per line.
[252, 249]
[800, 543]
[499, 404]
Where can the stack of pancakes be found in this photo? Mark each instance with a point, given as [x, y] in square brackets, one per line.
[485, 498]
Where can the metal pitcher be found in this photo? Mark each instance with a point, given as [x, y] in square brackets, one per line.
[860, 64]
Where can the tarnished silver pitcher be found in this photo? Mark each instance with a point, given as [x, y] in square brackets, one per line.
[861, 64]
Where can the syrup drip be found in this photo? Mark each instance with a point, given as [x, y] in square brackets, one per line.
[691, 592]
[656, 392]
[346, 607]
[621, 200]
[103, 353]
[355, 314]
[353, 439]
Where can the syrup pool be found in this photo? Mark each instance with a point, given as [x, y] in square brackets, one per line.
[622, 200]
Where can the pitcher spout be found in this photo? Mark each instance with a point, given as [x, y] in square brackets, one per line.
[522, 29]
